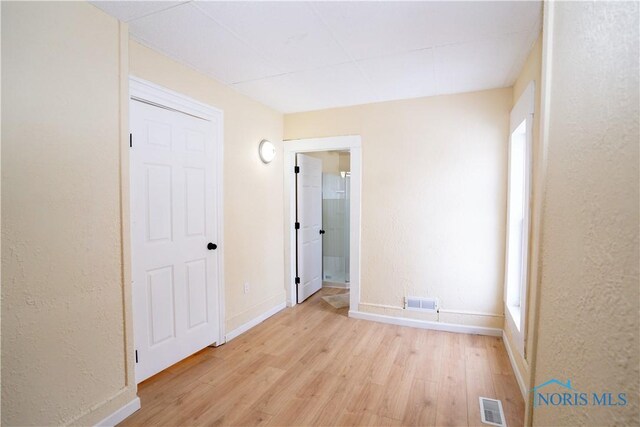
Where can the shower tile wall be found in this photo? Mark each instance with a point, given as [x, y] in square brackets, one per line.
[335, 220]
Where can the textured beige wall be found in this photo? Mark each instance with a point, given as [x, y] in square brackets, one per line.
[531, 71]
[63, 320]
[63, 330]
[438, 165]
[589, 291]
[253, 191]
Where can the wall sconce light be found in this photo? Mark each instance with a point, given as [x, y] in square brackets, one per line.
[267, 151]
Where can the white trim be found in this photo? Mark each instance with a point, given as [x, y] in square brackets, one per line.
[354, 145]
[121, 414]
[546, 79]
[322, 144]
[425, 324]
[523, 111]
[524, 108]
[146, 91]
[391, 307]
[470, 313]
[220, 230]
[255, 321]
[516, 371]
[441, 310]
[125, 205]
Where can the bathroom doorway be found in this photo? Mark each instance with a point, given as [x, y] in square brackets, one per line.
[336, 195]
[339, 206]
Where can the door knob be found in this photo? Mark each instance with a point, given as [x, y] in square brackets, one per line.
[212, 246]
[321, 231]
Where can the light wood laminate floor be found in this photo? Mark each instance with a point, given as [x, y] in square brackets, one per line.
[312, 365]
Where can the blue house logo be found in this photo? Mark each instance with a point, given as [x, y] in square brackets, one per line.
[554, 381]
[563, 394]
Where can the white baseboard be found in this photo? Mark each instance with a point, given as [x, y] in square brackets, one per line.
[516, 371]
[121, 414]
[425, 324]
[255, 321]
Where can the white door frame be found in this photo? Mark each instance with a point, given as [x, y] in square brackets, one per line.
[165, 98]
[291, 147]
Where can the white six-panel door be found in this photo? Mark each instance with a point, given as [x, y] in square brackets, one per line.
[309, 214]
[173, 219]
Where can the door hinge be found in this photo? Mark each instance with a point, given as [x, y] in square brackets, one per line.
[296, 169]
[297, 226]
[297, 280]
[136, 356]
[130, 140]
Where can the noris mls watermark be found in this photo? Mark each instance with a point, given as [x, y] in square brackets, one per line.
[563, 394]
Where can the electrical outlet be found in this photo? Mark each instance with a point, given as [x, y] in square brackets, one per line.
[246, 287]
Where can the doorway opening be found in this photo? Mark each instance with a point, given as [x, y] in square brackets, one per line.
[336, 194]
[323, 179]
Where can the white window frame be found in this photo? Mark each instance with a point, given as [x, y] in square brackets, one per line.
[523, 111]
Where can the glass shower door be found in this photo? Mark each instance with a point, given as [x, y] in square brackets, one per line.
[335, 219]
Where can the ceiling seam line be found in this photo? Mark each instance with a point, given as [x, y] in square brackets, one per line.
[191, 67]
[346, 52]
[438, 46]
[490, 38]
[146, 15]
[302, 70]
[354, 61]
[390, 55]
[236, 36]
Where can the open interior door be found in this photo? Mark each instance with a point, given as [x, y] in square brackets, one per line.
[309, 226]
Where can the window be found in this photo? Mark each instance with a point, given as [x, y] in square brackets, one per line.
[518, 215]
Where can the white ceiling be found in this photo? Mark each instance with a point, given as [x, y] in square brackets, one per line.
[301, 56]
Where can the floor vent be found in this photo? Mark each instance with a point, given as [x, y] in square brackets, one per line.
[491, 412]
[421, 304]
